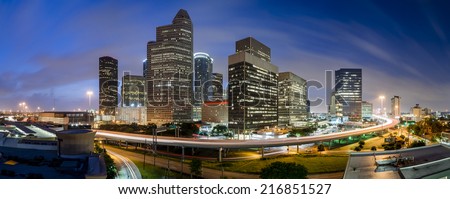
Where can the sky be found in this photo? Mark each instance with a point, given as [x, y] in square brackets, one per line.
[49, 49]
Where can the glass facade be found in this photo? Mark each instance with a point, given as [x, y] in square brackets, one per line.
[169, 76]
[144, 68]
[253, 47]
[133, 91]
[395, 106]
[215, 112]
[348, 92]
[108, 85]
[367, 110]
[292, 99]
[203, 66]
[252, 92]
[217, 87]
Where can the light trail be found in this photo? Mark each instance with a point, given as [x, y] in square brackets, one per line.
[126, 161]
[236, 144]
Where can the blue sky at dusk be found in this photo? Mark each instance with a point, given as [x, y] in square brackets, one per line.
[49, 50]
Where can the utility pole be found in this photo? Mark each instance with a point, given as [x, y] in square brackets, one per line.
[145, 150]
[155, 147]
[182, 160]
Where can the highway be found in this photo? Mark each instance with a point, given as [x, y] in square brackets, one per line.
[237, 144]
[126, 168]
[177, 166]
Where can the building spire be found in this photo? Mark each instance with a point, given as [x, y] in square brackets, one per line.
[181, 15]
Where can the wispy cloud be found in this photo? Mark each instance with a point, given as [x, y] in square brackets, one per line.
[55, 46]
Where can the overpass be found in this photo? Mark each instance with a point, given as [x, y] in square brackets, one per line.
[238, 144]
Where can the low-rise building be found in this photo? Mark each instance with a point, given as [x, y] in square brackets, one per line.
[215, 112]
[44, 153]
[416, 111]
[367, 110]
[414, 163]
[130, 115]
[69, 120]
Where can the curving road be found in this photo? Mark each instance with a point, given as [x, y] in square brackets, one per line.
[236, 144]
[127, 169]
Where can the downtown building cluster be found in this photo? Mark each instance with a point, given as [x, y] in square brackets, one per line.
[179, 86]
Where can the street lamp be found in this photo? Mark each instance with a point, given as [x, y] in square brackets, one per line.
[89, 93]
[381, 100]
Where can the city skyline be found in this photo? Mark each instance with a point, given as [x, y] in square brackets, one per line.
[50, 52]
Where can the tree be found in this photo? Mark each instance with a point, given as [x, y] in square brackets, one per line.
[220, 129]
[149, 128]
[321, 148]
[196, 167]
[284, 170]
[305, 131]
[187, 129]
[426, 126]
[374, 148]
[361, 144]
[415, 129]
[417, 143]
[111, 170]
[357, 148]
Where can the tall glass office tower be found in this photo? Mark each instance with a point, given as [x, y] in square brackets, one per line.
[169, 78]
[108, 85]
[292, 99]
[253, 90]
[348, 91]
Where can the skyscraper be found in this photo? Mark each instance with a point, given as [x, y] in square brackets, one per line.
[252, 90]
[348, 92]
[217, 87]
[203, 66]
[253, 47]
[133, 91]
[108, 85]
[292, 99]
[169, 79]
[395, 107]
[144, 68]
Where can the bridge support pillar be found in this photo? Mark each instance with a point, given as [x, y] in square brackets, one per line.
[220, 154]
[126, 144]
[329, 145]
[182, 159]
[297, 149]
[262, 152]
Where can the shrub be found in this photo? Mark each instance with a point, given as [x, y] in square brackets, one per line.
[284, 170]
